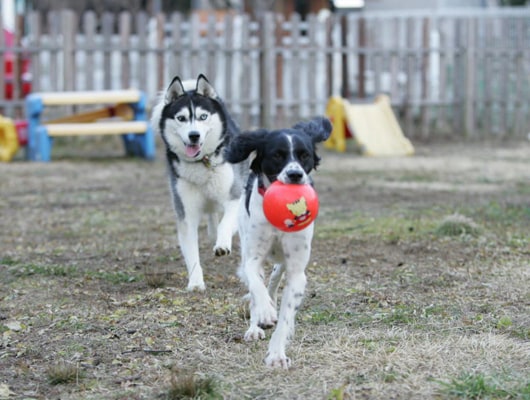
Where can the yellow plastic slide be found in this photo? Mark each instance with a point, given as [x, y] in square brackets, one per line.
[372, 126]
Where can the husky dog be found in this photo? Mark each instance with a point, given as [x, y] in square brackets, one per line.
[196, 128]
[287, 155]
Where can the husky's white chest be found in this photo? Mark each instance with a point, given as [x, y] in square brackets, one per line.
[213, 181]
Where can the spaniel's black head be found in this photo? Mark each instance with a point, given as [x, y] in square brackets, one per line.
[286, 154]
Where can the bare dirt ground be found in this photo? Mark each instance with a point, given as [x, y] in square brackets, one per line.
[396, 308]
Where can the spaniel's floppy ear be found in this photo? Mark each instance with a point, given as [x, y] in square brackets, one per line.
[243, 145]
[204, 87]
[174, 90]
[318, 128]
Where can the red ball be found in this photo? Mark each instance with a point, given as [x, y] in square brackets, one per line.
[290, 207]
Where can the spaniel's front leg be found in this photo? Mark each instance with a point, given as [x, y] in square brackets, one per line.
[297, 250]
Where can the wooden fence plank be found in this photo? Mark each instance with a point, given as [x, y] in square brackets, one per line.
[442, 112]
[107, 30]
[54, 24]
[293, 79]
[17, 63]
[374, 58]
[484, 58]
[267, 64]
[195, 44]
[506, 44]
[34, 36]
[278, 78]
[228, 43]
[458, 80]
[125, 29]
[142, 48]
[245, 82]
[312, 81]
[69, 19]
[352, 52]
[521, 82]
[361, 68]
[175, 48]
[89, 33]
[410, 74]
[211, 54]
[425, 72]
[469, 103]
[160, 47]
[395, 59]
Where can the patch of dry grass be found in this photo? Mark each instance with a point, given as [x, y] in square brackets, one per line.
[190, 386]
[62, 373]
[457, 225]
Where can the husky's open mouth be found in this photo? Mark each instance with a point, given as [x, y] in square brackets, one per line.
[193, 150]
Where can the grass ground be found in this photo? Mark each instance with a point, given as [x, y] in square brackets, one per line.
[417, 287]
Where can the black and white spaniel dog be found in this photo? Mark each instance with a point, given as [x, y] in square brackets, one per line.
[287, 155]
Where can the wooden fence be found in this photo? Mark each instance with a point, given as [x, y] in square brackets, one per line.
[462, 74]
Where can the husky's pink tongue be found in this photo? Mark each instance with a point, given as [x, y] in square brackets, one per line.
[192, 150]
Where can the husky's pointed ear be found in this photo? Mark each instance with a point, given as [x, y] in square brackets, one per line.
[241, 147]
[174, 90]
[318, 128]
[204, 87]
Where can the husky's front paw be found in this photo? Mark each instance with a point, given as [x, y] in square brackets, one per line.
[254, 333]
[221, 251]
[277, 360]
[196, 286]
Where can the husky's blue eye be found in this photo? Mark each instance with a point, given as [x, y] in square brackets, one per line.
[181, 118]
[203, 117]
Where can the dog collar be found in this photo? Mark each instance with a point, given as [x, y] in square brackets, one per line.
[208, 162]
[261, 186]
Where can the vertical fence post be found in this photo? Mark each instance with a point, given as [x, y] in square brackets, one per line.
[175, 55]
[228, 43]
[469, 106]
[246, 92]
[89, 31]
[69, 33]
[107, 30]
[425, 77]
[293, 75]
[211, 34]
[410, 70]
[17, 64]
[522, 81]
[329, 54]
[142, 31]
[345, 92]
[160, 51]
[361, 92]
[267, 69]
[312, 27]
[34, 35]
[125, 36]
[69, 30]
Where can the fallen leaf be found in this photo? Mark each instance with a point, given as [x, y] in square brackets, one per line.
[5, 392]
[14, 326]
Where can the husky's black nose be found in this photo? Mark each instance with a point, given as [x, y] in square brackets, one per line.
[194, 136]
[295, 175]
